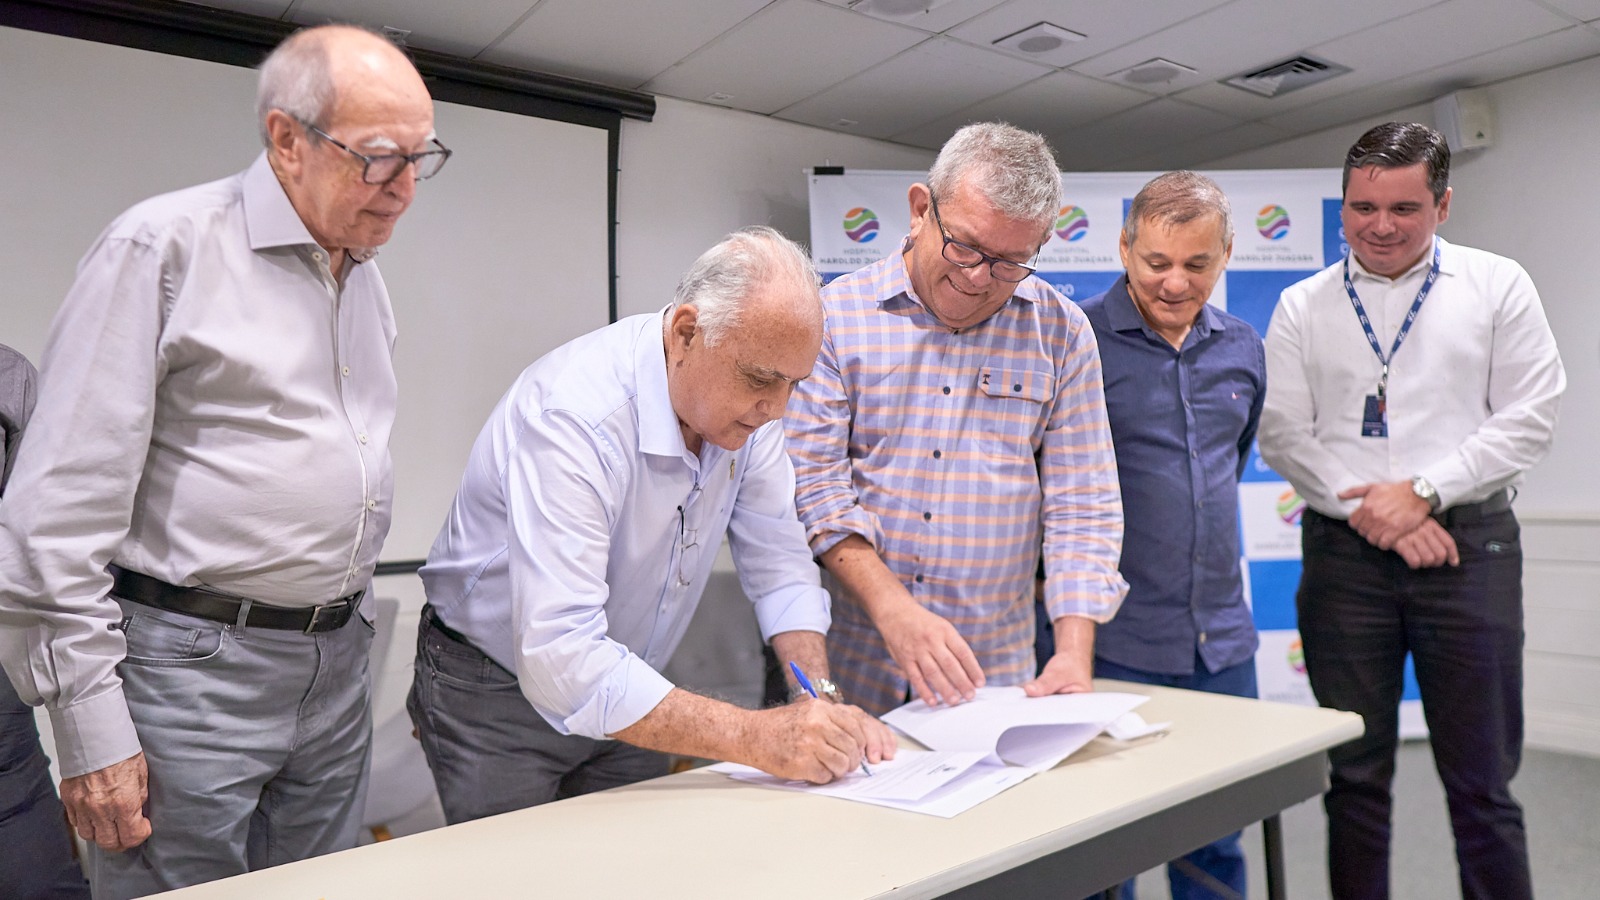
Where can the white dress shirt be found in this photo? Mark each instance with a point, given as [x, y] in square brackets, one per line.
[584, 532]
[1472, 393]
[213, 409]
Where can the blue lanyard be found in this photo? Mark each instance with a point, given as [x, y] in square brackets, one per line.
[1405, 327]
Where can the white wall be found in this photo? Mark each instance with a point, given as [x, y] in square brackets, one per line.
[1529, 197]
[698, 172]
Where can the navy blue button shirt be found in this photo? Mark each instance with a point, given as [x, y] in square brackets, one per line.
[1183, 421]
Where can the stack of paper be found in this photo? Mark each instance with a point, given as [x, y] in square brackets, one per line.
[978, 749]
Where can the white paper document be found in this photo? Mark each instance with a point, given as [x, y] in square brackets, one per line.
[979, 748]
[1032, 732]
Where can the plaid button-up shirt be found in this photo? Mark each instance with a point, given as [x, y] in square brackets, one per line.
[957, 454]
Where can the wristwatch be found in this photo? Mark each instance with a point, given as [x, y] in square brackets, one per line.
[1424, 488]
[826, 690]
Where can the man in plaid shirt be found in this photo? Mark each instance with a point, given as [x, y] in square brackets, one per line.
[955, 423]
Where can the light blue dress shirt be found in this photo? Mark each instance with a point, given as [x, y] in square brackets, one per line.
[584, 532]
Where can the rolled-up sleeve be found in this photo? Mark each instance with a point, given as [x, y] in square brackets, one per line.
[818, 426]
[768, 543]
[562, 484]
[1082, 499]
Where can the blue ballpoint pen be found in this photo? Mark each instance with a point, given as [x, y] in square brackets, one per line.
[806, 684]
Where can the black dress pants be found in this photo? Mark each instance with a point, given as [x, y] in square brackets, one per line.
[1361, 611]
[35, 847]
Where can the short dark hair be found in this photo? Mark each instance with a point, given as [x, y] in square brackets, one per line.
[1395, 145]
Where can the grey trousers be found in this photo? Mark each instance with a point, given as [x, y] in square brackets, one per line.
[257, 744]
[489, 751]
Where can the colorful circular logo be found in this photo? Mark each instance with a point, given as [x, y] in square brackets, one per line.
[1072, 224]
[1290, 507]
[1273, 222]
[1296, 657]
[861, 225]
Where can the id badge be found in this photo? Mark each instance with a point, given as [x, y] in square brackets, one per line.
[1375, 419]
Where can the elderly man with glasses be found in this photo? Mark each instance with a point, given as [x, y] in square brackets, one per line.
[200, 499]
[954, 425]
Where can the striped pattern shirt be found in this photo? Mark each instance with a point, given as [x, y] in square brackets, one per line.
[957, 454]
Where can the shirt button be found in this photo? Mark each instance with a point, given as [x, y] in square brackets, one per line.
[372, 504]
[362, 438]
[1016, 387]
[927, 517]
[345, 371]
[1202, 637]
[947, 389]
[919, 579]
[1193, 453]
[937, 454]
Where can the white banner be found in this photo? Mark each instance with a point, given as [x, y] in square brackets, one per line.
[1286, 228]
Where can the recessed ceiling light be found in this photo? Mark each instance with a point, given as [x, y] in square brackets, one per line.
[1039, 38]
[845, 123]
[896, 9]
[1153, 71]
[718, 97]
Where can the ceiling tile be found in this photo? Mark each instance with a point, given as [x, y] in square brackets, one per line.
[933, 79]
[1105, 26]
[785, 53]
[562, 36]
[271, 9]
[1568, 45]
[1058, 100]
[1247, 33]
[459, 29]
[940, 18]
[1113, 142]
[1441, 34]
[1582, 10]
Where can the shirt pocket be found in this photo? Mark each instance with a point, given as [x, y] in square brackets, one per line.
[1032, 385]
[1011, 415]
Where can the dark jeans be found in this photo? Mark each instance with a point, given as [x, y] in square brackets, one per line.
[489, 750]
[35, 850]
[1218, 869]
[1361, 611]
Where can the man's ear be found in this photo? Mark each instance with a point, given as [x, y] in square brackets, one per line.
[920, 197]
[682, 325]
[286, 142]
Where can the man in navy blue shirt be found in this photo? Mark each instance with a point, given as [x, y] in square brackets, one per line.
[1184, 386]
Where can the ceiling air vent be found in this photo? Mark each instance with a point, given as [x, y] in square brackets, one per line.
[1287, 75]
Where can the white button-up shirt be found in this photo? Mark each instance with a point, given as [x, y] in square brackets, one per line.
[194, 425]
[584, 532]
[1472, 393]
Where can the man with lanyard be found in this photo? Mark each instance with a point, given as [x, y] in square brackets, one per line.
[1184, 385]
[1406, 460]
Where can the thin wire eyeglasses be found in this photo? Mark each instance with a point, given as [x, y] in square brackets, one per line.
[968, 257]
[386, 167]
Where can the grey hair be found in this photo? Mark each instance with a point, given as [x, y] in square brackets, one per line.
[1014, 170]
[296, 77]
[1178, 198]
[726, 277]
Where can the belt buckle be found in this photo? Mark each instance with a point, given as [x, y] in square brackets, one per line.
[311, 624]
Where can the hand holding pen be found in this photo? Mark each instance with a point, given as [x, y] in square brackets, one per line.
[805, 684]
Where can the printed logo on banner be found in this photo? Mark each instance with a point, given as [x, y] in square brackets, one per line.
[1273, 222]
[1072, 224]
[861, 225]
[1290, 507]
[1280, 669]
[1269, 514]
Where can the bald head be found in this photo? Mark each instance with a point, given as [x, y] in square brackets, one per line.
[314, 70]
[751, 272]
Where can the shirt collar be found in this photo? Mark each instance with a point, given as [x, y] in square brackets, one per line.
[659, 434]
[270, 219]
[1123, 315]
[1447, 265]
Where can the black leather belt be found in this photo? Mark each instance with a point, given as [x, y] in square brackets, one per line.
[206, 603]
[1471, 513]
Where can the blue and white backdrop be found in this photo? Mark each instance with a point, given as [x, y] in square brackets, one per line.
[1286, 227]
